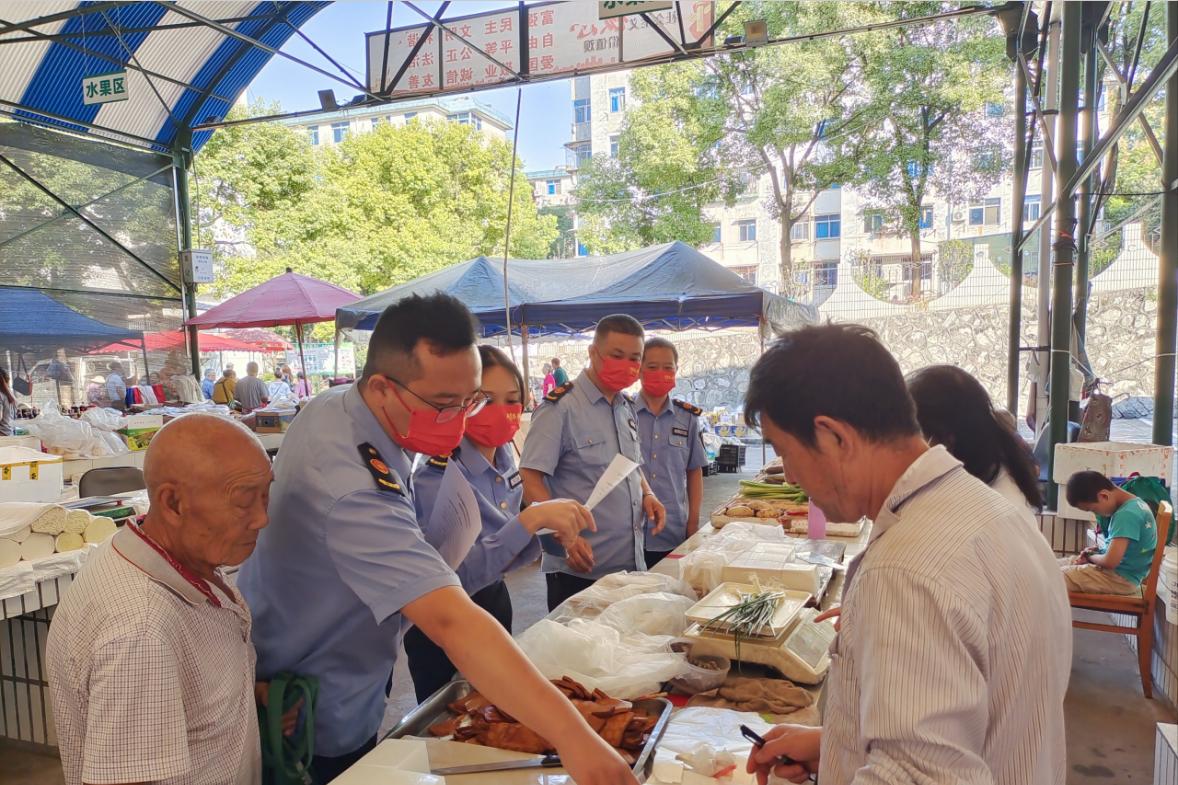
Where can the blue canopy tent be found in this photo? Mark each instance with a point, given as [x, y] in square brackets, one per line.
[671, 286]
[31, 320]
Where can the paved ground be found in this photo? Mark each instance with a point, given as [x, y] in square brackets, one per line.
[1110, 726]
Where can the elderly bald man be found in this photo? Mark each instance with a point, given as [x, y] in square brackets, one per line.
[149, 658]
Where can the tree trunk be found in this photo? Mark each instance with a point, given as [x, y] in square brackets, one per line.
[785, 251]
[914, 237]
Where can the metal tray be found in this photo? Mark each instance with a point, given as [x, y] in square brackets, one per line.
[434, 709]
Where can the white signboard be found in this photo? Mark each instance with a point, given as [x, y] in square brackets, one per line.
[560, 38]
[198, 265]
[608, 9]
[104, 88]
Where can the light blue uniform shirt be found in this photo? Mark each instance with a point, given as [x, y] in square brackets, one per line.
[671, 447]
[573, 440]
[342, 555]
[504, 544]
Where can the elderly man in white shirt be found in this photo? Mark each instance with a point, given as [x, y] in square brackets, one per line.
[149, 658]
[955, 645]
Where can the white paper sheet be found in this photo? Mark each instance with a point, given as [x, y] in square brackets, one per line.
[619, 469]
[455, 523]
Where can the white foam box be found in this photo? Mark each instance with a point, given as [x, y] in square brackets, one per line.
[29, 475]
[1113, 459]
[1065, 510]
[773, 564]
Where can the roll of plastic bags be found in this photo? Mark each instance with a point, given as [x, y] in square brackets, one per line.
[37, 546]
[76, 522]
[51, 521]
[9, 552]
[68, 541]
[100, 529]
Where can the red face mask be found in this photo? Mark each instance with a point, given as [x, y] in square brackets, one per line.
[495, 425]
[658, 383]
[617, 373]
[426, 435]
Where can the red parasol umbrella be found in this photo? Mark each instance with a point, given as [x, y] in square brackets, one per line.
[289, 298]
[264, 340]
[174, 339]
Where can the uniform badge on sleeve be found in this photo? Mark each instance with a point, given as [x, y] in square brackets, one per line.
[384, 475]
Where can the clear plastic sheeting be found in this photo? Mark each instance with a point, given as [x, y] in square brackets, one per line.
[73, 439]
[692, 728]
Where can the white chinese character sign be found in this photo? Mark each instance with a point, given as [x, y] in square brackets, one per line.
[549, 39]
[104, 88]
[608, 9]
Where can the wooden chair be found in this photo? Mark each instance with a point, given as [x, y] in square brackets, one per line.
[1141, 607]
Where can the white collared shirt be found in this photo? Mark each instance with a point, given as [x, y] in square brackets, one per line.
[956, 643]
[151, 682]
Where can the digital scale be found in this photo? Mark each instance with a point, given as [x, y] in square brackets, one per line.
[800, 653]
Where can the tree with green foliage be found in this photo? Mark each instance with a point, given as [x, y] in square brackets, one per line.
[377, 210]
[706, 131]
[935, 125]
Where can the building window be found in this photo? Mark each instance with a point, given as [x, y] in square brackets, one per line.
[748, 272]
[717, 234]
[552, 187]
[748, 230]
[409, 116]
[581, 110]
[313, 134]
[994, 109]
[826, 274]
[985, 160]
[1037, 155]
[827, 227]
[926, 269]
[1031, 208]
[375, 122]
[582, 250]
[617, 99]
[873, 221]
[339, 131]
[467, 118]
[613, 146]
[800, 230]
[926, 216]
[583, 153]
[986, 213]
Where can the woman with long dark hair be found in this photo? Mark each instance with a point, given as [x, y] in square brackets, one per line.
[7, 403]
[954, 410]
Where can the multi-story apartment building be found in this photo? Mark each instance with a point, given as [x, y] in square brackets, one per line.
[552, 187]
[331, 127]
[840, 228]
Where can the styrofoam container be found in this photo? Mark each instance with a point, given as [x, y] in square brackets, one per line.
[29, 475]
[1113, 459]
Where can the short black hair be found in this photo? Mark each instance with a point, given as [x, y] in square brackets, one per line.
[1085, 487]
[618, 323]
[493, 356]
[840, 371]
[439, 319]
[661, 343]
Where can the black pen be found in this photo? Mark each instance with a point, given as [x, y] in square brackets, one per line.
[759, 742]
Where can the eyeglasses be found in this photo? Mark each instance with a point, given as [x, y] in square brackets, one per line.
[468, 408]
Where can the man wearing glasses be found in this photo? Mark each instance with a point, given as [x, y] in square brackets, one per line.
[345, 559]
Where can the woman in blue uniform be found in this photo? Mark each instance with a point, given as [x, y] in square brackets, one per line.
[507, 541]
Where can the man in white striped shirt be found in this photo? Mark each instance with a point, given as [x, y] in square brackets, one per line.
[955, 645]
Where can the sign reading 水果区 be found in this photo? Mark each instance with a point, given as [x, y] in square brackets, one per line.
[104, 88]
[608, 9]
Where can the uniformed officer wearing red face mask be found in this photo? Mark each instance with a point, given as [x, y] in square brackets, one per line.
[575, 433]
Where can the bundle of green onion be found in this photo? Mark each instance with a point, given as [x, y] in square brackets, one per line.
[748, 618]
[765, 490]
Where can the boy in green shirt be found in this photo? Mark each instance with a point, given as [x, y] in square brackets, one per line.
[1130, 540]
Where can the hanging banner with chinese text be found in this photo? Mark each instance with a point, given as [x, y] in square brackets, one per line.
[550, 40]
[104, 88]
[608, 9]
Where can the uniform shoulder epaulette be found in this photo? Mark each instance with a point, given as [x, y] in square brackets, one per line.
[688, 407]
[439, 461]
[386, 479]
[559, 392]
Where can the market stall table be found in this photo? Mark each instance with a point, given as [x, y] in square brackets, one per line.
[408, 760]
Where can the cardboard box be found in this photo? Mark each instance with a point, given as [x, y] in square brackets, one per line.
[272, 422]
[140, 422]
[137, 439]
[1113, 459]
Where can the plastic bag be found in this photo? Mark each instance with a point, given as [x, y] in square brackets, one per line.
[619, 586]
[699, 677]
[600, 657]
[73, 439]
[693, 727]
[103, 419]
[660, 613]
